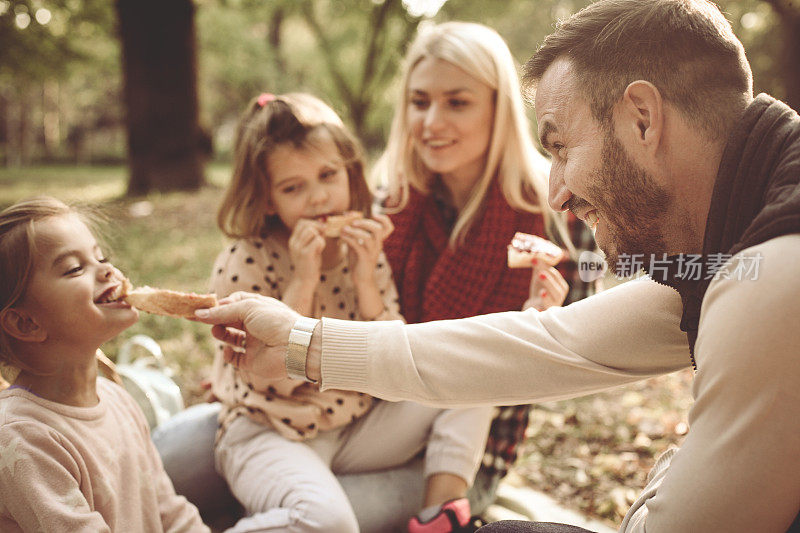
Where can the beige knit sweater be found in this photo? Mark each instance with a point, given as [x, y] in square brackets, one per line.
[737, 470]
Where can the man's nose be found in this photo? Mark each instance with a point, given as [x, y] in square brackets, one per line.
[558, 193]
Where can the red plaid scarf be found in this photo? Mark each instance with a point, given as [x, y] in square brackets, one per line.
[437, 282]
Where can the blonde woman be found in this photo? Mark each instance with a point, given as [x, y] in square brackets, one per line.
[464, 174]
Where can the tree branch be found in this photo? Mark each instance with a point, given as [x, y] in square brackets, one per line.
[328, 51]
[378, 21]
[274, 39]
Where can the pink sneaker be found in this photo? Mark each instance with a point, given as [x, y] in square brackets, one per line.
[453, 517]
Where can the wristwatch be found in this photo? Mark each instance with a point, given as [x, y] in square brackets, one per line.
[297, 348]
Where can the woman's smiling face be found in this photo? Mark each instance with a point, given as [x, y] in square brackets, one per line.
[450, 116]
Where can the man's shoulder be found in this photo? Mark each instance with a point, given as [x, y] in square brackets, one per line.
[782, 250]
[748, 339]
[753, 303]
[767, 268]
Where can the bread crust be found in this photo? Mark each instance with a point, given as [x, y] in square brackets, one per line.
[524, 248]
[169, 303]
[335, 223]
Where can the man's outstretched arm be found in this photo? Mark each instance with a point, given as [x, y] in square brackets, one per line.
[618, 336]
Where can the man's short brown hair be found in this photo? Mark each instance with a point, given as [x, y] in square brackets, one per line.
[686, 48]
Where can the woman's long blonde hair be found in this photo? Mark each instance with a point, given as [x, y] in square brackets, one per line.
[512, 156]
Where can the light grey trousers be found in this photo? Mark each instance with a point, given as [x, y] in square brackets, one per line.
[292, 486]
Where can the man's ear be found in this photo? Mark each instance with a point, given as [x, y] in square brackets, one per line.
[640, 114]
[20, 325]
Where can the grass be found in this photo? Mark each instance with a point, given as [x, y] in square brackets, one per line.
[89, 184]
[172, 247]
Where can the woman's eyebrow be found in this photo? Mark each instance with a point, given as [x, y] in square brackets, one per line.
[459, 90]
[449, 92]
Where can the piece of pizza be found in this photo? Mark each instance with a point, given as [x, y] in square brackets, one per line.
[524, 248]
[335, 223]
[168, 303]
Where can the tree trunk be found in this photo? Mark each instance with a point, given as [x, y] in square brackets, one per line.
[19, 106]
[165, 142]
[51, 118]
[275, 41]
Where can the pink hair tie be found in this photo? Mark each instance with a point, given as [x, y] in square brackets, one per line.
[265, 98]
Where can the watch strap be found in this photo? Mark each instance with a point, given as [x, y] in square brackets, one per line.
[297, 348]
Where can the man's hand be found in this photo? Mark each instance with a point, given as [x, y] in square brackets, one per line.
[256, 330]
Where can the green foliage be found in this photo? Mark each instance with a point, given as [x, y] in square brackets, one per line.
[522, 24]
[756, 24]
[59, 81]
[345, 51]
[87, 184]
[42, 39]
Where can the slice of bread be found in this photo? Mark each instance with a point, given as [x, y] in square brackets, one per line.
[524, 248]
[169, 303]
[335, 223]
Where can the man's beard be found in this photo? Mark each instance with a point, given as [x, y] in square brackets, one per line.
[633, 205]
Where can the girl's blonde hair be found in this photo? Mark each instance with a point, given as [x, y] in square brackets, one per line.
[512, 156]
[17, 252]
[269, 121]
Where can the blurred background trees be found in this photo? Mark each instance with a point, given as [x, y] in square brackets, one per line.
[59, 82]
[73, 71]
[165, 142]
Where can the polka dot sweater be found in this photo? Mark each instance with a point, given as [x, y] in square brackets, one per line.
[296, 409]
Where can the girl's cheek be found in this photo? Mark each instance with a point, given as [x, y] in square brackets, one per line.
[290, 223]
